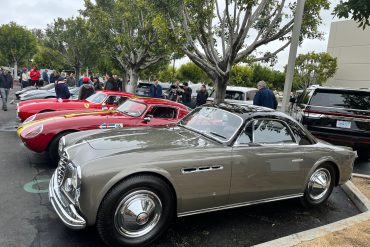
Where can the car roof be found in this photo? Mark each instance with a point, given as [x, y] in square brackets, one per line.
[157, 101]
[108, 92]
[243, 89]
[321, 88]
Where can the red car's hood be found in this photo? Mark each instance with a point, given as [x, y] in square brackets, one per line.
[36, 101]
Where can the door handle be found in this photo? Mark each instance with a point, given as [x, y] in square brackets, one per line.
[297, 160]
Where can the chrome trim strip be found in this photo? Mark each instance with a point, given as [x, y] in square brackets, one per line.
[201, 211]
[201, 169]
[341, 108]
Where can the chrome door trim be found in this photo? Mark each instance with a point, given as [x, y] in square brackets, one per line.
[237, 205]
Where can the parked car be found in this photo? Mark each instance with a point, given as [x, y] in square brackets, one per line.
[237, 95]
[338, 115]
[26, 89]
[143, 89]
[44, 135]
[109, 99]
[130, 183]
[47, 94]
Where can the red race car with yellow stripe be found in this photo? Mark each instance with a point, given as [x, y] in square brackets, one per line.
[44, 134]
[110, 99]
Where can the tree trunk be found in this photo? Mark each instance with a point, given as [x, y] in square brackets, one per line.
[220, 89]
[77, 72]
[124, 81]
[15, 72]
[134, 77]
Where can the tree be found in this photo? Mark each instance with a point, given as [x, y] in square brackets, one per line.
[215, 35]
[158, 71]
[191, 72]
[74, 42]
[49, 58]
[241, 76]
[313, 68]
[17, 44]
[359, 9]
[275, 79]
[126, 30]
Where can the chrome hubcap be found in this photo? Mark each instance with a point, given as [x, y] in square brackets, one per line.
[137, 213]
[319, 184]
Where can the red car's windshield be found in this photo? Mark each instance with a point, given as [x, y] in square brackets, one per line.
[97, 98]
[132, 108]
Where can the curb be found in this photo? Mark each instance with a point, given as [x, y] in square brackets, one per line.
[359, 199]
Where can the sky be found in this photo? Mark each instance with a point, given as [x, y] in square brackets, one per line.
[39, 13]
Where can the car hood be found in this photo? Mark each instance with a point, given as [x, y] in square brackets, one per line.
[132, 140]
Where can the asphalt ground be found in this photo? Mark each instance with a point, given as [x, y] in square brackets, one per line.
[27, 217]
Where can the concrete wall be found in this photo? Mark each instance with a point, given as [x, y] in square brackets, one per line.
[351, 45]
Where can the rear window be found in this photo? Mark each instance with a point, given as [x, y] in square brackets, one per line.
[349, 100]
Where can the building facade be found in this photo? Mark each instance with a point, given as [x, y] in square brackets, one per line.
[351, 46]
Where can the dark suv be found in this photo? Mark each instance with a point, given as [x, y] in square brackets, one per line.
[339, 116]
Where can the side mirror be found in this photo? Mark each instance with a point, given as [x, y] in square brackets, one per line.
[148, 118]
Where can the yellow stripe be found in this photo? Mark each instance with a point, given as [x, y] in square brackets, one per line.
[88, 113]
[32, 123]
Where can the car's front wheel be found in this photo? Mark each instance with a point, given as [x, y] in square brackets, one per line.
[319, 186]
[135, 212]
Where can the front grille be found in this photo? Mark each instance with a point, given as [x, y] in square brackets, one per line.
[62, 168]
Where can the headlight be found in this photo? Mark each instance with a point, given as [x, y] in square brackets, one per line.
[35, 131]
[30, 119]
[72, 184]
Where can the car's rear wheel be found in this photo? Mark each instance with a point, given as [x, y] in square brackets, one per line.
[364, 154]
[320, 185]
[53, 147]
[135, 212]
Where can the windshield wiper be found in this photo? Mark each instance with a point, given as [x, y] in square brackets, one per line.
[218, 135]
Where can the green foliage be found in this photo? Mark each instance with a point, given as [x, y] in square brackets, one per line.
[313, 68]
[49, 58]
[191, 72]
[241, 76]
[158, 70]
[358, 9]
[73, 40]
[17, 44]
[275, 79]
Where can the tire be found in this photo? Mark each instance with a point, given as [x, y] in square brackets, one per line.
[316, 196]
[140, 231]
[363, 154]
[53, 147]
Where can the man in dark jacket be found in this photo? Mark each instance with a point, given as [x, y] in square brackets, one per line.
[265, 97]
[86, 89]
[202, 96]
[6, 83]
[155, 90]
[61, 89]
[186, 95]
[111, 84]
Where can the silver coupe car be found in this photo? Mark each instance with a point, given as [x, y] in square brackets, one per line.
[131, 183]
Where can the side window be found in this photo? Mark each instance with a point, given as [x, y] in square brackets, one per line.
[121, 100]
[112, 100]
[246, 136]
[267, 131]
[163, 112]
[299, 134]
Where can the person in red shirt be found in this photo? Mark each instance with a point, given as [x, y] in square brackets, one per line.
[35, 76]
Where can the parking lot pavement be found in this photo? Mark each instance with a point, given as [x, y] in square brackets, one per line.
[27, 218]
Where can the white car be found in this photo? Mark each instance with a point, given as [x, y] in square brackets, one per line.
[238, 95]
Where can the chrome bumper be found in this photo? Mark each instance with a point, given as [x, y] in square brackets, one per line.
[66, 211]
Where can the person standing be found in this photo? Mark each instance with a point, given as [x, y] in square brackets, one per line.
[35, 76]
[174, 92]
[186, 95]
[61, 89]
[110, 84]
[96, 83]
[202, 96]
[6, 83]
[71, 80]
[86, 90]
[45, 77]
[265, 97]
[24, 78]
[53, 77]
[155, 90]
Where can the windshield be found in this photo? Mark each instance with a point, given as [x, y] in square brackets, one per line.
[132, 108]
[97, 98]
[214, 122]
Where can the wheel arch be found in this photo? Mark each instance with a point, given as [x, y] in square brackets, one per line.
[325, 160]
[163, 175]
[61, 132]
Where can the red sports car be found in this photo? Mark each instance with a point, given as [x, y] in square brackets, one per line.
[111, 99]
[44, 134]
